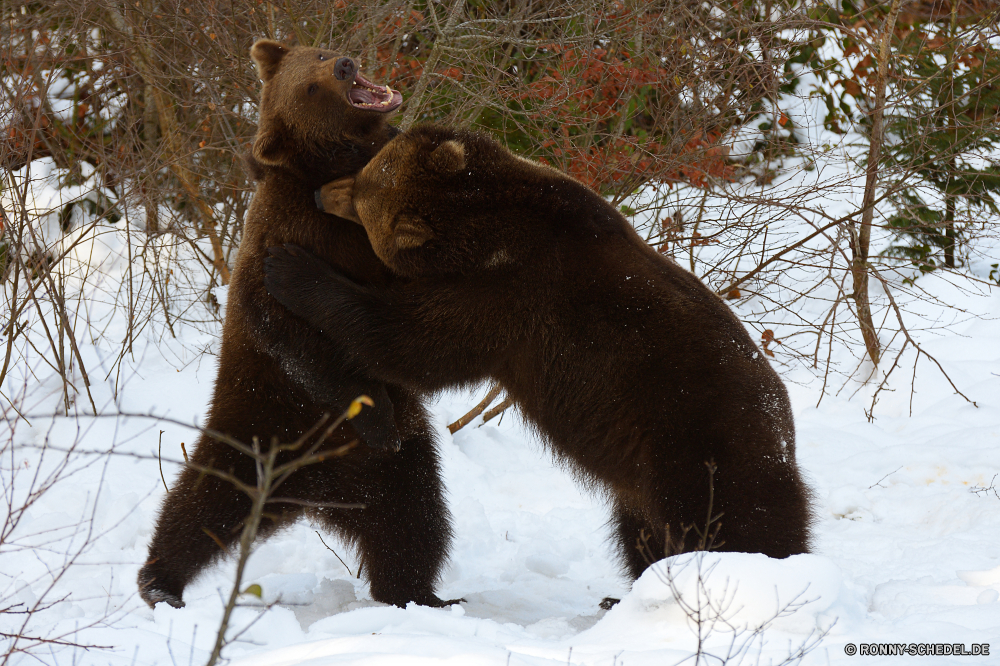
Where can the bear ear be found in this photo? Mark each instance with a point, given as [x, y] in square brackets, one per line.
[267, 54]
[337, 198]
[448, 157]
[272, 145]
[411, 232]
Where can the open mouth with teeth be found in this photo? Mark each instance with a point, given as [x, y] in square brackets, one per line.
[371, 97]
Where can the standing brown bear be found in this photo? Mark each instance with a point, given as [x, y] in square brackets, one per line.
[277, 376]
[634, 371]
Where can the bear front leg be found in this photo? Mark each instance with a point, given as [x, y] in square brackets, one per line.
[375, 425]
[423, 336]
[319, 366]
[309, 287]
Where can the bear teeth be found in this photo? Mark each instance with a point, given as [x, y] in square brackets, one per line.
[375, 91]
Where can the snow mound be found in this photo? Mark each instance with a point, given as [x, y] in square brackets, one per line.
[728, 599]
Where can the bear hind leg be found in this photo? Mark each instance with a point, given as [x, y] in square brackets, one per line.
[403, 534]
[639, 544]
[200, 519]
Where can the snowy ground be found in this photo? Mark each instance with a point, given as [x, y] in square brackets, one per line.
[907, 547]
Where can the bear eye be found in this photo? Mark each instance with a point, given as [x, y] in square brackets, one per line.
[322, 57]
[312, 89]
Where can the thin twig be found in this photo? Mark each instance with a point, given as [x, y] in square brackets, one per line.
[159, 448]
[475, 411]
[334, 553]
[909, 338]
[499, 409]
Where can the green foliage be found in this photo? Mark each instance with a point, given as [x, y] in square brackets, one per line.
[920, 227]
[941, 123]
[943, 136]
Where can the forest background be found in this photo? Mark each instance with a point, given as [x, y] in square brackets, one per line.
[682, 113]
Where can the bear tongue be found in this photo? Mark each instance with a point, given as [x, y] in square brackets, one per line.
[367, 95]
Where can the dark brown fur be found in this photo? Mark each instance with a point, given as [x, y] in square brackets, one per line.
[634, 371]
[277, 375]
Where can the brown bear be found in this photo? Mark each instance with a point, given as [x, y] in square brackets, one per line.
[634, 371]
[277, 376]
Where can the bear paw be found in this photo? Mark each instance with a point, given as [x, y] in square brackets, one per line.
[152, 593]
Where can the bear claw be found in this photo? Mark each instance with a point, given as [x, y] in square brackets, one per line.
[153, 597]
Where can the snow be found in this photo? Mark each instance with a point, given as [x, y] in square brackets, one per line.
[907, 546]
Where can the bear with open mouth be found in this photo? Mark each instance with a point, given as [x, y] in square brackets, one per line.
[320, 119]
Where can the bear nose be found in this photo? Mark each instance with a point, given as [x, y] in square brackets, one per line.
[344, 69]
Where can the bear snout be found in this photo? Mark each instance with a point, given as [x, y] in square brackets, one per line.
[344, 69]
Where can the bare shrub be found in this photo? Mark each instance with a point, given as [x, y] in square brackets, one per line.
[29, 594]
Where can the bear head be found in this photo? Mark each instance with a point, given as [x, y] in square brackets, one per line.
[313, 98]
[431, 201]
